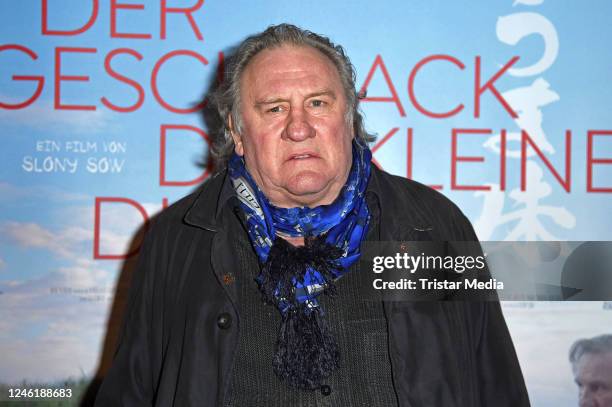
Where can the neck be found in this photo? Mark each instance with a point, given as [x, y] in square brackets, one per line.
[296, 241]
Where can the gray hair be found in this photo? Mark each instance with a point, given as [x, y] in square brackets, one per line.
[598, 345]
[226, 98]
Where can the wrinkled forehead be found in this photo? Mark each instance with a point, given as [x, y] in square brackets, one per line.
[290, 68]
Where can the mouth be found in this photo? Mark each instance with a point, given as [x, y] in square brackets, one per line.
[302, 156]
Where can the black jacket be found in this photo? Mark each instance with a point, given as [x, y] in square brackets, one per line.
[181, 328]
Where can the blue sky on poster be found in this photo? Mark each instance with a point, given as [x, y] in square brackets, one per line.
[46, 219]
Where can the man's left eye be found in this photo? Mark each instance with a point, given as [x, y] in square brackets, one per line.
[317, 103]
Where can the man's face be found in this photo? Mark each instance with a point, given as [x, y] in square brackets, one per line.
[295, 138]
[593, 375]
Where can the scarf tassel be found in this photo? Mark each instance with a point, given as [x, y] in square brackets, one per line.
[306, 351]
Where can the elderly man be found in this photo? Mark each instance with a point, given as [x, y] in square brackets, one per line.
[592, 366]
[226, 307]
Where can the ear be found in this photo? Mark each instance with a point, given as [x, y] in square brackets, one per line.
[238, 147]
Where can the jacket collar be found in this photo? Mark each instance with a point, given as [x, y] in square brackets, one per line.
[209, 201]
[205, 212]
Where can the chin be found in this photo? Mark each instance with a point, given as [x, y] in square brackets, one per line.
[308, 183]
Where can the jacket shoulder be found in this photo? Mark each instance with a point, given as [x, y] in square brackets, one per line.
[422, 198]
[422, 207]
[175, 214]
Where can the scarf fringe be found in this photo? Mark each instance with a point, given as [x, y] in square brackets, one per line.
[306, 351]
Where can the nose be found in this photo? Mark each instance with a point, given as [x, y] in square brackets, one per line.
[298, 126]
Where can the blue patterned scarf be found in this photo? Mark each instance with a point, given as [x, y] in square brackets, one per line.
[291, 277]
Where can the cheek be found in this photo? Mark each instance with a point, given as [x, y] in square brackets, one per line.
[262, 155]
[336, 135]
[340, 158]
[346, 148]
